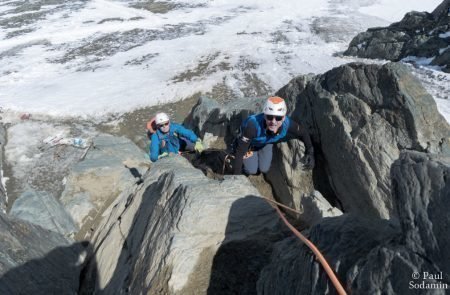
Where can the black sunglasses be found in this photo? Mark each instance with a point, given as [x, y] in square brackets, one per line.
[163, 125]
[270, 117]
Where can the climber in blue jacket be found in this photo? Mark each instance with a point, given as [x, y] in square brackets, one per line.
[259, 133]
[171, 138]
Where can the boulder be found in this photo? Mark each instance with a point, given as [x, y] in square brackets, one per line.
[110, 166]
[361, 117]
[418, 34]
[34, 260]
[294, 186]
[43, 209]
[374, 256]
[208, 117]
[175, 232]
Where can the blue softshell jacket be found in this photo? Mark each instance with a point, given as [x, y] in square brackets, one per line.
[169, 142]
[262, 138]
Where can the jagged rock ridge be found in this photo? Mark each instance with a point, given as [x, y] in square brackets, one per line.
[418, 34]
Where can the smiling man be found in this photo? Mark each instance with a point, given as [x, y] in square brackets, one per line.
[259, 133]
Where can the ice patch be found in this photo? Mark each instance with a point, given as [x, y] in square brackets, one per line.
[361, 45]
[444, 35]
[421, 61]
[3, 181]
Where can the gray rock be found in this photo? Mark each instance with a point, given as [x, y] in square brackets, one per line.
[110, 166]
[223, 121]
[417, 34]
[343, 240]
[3, 195]
[422, 186]
[442, 60]
[173, 234]
[374, 256]
[294, 186]
[286, 169]
[43, 209]
[361, 117]
[315, 207]
[34, 260]
[441, 10]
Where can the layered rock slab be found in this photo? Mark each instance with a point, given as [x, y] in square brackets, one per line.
[166, 234]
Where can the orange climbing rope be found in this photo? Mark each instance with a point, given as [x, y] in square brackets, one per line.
[337, 284]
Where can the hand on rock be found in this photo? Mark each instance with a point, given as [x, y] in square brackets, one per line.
[198, 146]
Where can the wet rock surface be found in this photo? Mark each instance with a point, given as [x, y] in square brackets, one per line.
[418, 34]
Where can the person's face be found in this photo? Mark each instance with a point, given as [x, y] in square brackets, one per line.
[164, 127]
[274, 122]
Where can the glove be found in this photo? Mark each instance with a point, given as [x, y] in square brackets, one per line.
[198, 146]
[308, 162]
[163, 155]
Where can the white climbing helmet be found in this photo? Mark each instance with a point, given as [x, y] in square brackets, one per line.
[275, 106]
[161, 118]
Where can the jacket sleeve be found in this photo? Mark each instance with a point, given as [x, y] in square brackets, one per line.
[186, 133]
[242, 146]
[300, 132]
[154, 147]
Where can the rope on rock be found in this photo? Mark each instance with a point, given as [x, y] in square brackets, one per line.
[333, 278]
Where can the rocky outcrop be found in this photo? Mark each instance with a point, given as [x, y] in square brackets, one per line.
[110, 167]
[62, 186]
[421, 184]
[343, 240]
[361, 117]
[180, 232]
[3, 196]
[418, 34]
[294, 186]
[374, 256]
[43, 209]
[34, 260]
[291, 185]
